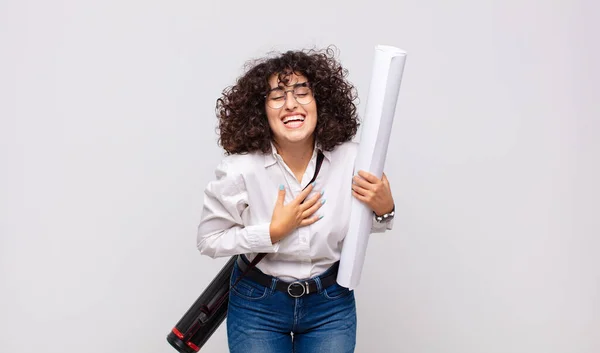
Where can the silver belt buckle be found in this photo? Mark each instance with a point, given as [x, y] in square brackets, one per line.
[293, 293]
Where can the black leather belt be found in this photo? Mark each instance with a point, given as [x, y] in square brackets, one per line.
[295, 289]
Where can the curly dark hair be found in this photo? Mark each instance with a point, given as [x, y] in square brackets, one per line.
[243, 125]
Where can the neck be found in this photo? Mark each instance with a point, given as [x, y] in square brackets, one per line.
[296, 155]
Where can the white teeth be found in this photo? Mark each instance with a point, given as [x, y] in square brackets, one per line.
[292, 118]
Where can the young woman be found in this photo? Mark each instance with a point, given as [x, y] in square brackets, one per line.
[288, 119]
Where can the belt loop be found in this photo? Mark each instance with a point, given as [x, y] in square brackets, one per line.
[273, 285]
[318, 283]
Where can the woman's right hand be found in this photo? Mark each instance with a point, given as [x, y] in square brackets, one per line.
[295, 214]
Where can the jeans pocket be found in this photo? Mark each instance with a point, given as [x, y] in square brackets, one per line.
[335, 291]
[246, 288]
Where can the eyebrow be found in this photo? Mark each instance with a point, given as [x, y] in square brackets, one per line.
[299, 84]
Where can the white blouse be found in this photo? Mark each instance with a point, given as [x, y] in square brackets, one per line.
[238, 206]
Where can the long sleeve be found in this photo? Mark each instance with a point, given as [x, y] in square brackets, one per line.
[221, 231]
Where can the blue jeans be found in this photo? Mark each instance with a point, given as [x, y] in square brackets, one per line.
[264, 320]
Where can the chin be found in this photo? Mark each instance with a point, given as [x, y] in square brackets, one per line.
[298, 138]
[294, 139]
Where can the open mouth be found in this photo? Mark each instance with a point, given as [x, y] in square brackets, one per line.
[293, 121]
[293, 118]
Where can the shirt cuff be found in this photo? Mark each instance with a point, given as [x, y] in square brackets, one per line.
[259, 238]
[380, 227]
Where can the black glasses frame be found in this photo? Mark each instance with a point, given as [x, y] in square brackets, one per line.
[300, 84]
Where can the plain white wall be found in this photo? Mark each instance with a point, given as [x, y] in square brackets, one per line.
[107, 141]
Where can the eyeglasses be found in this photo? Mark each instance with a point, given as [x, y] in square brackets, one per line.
[277, 96]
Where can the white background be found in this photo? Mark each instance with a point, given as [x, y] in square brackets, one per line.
[108, 139]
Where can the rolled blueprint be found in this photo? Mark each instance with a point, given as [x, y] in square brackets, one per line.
[375, 136]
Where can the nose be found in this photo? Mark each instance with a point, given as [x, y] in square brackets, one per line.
[290, 100]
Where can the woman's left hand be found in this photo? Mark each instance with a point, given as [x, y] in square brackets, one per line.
[374, 192]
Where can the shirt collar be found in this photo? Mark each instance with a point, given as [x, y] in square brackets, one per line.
[270, 158]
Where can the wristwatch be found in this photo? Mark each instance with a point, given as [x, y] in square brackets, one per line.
[385, 217]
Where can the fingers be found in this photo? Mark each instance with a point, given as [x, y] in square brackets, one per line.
[385, 181]
[312, 209]
[304, 194]
[302, 207]
[360, 197]
[368, 181]
[308, 203]
[368, 177]
[310, 220]
[375, 195]
[371, 182]
[362, 191]
[281, 195]
[358, 181]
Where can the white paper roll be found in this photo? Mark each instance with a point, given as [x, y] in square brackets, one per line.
[375, 136]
